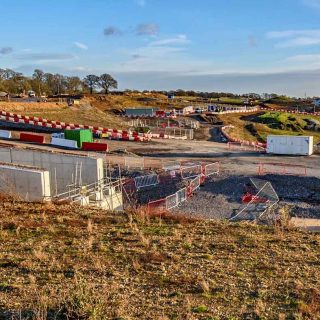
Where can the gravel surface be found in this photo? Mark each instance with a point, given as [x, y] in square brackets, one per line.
[221, 197]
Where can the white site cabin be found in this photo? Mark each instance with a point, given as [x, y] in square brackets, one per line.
[290, 145]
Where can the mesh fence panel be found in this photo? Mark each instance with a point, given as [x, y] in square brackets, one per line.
[158, 206]
[171, 165]
[265, 199]
[146, 181]
[172, 201]
[134, 162]
[182, 195]
[195, 183]
[212, 168]
[190, 172]
[265, 189]
[129, 186]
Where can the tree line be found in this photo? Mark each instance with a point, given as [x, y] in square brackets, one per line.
[43, 83]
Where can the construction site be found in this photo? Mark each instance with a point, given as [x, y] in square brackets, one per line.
[162, 168]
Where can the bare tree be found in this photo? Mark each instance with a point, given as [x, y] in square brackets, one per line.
[38, 76]
[107, 82]
[91, 81]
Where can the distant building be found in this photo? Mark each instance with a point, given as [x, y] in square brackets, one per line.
[141, 112]
[316, 102]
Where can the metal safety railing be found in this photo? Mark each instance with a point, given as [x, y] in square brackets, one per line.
[146, 181]
[192, 171]
[211, 169]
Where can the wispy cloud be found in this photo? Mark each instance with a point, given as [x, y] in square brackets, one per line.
[141, 3]
[80, 45]
[295, 38]
[162, 54]
[45, 57]
[6, 50]
[180, 39]
[112, 31]
[147, 29]
[305, 58]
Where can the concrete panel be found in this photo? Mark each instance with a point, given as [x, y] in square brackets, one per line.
[64, 169]
[5, 155]
[29, 184]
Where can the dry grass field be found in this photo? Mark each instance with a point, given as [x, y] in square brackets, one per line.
[64, 262]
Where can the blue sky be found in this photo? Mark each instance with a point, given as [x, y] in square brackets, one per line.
[234, 45]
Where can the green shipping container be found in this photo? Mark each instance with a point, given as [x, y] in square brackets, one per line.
[80, 136]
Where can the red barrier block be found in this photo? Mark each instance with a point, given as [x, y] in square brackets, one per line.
[31, 138]
[93, 146]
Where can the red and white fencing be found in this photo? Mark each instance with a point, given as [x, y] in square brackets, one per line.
[191, 171]
[211, 169]
[176, 199]
[243, 110]
[235, 142]
[281, 169]
[143, 163]
[194, 182]
[292, 111]
[114, 134]
[245, 146]
[156, 207]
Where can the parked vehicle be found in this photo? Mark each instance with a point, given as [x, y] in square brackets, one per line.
[31, 94]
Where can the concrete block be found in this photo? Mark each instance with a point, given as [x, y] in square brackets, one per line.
[64, 169]
[30, 184]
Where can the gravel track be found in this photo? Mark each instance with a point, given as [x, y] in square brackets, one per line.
[221, 196]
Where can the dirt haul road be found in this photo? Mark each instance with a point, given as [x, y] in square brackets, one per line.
[240, 162]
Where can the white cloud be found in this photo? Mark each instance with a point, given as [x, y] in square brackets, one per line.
[162, 54]
[304, 58]
[80, 45]
[295, 38]
[293, 33]
[45, 57]
[180, 39]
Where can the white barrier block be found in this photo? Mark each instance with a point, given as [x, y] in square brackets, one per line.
[64, 142]
[5, 134]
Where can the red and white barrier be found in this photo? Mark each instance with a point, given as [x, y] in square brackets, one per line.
[114, 134]
[257, 146]
[292, 111]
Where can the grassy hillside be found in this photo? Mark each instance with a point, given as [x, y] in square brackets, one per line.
[257, 126]
[134, 100]
[83, 114]
[63, 262]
